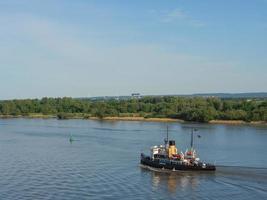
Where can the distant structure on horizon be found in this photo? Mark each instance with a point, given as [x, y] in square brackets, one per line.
[248, 96]
[136, 96]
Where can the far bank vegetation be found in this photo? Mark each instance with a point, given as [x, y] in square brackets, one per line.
[196, 109]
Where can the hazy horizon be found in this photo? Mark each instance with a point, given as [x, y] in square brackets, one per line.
[144, 95]
[115, 48]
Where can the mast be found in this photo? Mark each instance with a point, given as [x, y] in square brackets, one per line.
[192, 138]
[166, 140]
[167, 133]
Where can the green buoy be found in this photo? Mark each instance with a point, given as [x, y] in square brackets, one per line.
[71, 139]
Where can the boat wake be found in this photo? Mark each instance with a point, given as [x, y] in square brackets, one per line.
[242, 172]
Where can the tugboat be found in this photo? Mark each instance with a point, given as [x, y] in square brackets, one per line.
[167, 157]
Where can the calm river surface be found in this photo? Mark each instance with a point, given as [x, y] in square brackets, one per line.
[37, 161]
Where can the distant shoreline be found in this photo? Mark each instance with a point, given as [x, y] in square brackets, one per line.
[227, 122]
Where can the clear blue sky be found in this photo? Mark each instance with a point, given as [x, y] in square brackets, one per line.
[85, 48]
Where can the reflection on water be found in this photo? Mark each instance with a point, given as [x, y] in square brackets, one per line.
[176, 181]
[242, 179]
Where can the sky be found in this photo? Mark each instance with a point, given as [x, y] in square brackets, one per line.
[87, 48]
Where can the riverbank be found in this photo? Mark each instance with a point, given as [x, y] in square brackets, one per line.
[237, 122]
[230, 122]
[143, 119]
[42, 116]
[135, 118]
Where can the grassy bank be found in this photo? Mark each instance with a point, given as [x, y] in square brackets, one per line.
[125, 118]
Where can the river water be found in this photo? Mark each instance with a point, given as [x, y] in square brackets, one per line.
[37, 160]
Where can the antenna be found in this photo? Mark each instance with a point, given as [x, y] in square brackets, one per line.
[192, 136]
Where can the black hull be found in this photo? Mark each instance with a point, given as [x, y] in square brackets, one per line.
[163, 164]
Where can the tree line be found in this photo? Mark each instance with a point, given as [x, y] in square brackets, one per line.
[198, 109]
